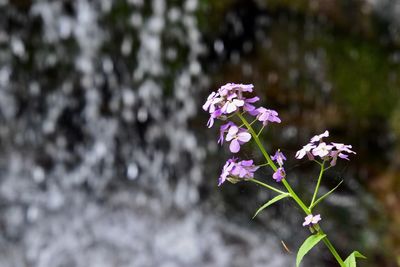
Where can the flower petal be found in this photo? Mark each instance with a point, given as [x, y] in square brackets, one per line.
[244, 137]
[234, 147]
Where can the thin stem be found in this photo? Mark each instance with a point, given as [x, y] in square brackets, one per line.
[273, 166]
[251, 123]
[259, 132]
[258, 142]
[262, 165]
[289, 188]
[267, 186]
[296, 197]
[332, 249]
[324, 196]
[319, 163]
[318, 184]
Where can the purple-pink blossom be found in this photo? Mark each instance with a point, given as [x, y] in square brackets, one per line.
[322, 150]
[267, 115]
[306, 150]
[232, 104]
[248, 104]
[311, 220]
[279, 157]
[279, 174]
[222, 130]
[325, 151]
[319, 137]
[229, 98]
[234, 171]
[340, 151]
[237, 137]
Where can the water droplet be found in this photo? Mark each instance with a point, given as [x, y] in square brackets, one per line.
[133, 171]
[219, 46]
[142, 115]
[38, 174]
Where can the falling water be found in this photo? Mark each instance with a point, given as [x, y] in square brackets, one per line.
[97, 157]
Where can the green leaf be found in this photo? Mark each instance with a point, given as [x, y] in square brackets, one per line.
[324, 196]
[351, 259]
[308, 244]
[272, 201]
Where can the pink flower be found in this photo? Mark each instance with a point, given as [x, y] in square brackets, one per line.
[232, 104]
[279, 174]
[234, 171]
[267, 115]
[305, 150]
[322, 150]
[222, 130]
[237, 136]
[311, 220]
[319, 137]
[279, 157]
[339, 152]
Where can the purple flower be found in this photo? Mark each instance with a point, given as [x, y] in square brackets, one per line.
[226, 170]
[228, 99]
[279, 157]
[339, 152]
[216, 114]
[279, 174]
[319, 137]
[267, 115]
[233, 87]
[331, 152]
[322, 150]
[222, 130]
[311, 220]
[343, 148]
[237, 136]
[248, 104]
[305, 150]
[232, 104]
[244, 169]
[236, 171]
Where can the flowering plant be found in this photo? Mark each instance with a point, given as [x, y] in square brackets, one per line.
[231, 103]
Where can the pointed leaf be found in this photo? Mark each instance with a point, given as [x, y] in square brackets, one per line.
[272, 201]
[308, 244]
[324, 196]
[351, 259]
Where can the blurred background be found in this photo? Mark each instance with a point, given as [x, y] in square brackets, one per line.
[105, 159]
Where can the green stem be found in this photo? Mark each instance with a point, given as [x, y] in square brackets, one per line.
[262, 165]
[318, 184]
[272, 164]
[332, 249]
[258, 142]
[267, 186]
[251, 123]
[289, 188]
[259, 132]
[296, 197]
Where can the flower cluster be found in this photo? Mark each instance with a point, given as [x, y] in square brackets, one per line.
[227, 100]
[328, 152]
[235, 171]
[230, 98]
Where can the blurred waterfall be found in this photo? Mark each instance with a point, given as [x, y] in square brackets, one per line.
[96, 153]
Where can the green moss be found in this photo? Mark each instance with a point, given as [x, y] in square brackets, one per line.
[361, 77]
